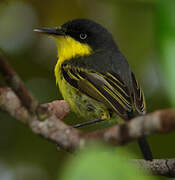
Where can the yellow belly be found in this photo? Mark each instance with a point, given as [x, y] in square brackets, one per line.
[80, 103]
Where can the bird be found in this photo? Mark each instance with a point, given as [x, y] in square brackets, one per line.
[94, 76]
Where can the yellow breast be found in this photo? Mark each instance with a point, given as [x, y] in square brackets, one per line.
[68, 48]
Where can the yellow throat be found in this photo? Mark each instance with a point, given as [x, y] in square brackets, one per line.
[69, 48]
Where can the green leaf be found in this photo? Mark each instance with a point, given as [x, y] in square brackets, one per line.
[102, 163]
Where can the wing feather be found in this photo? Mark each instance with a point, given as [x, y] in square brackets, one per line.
[138, 96]
[107, 88]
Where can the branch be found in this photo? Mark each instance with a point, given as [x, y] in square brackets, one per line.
[162, 121]
[163, 167]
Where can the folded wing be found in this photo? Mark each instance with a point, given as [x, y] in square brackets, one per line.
[107, 88]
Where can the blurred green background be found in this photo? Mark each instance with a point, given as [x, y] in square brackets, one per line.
[145, 32]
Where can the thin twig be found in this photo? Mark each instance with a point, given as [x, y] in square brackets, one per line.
[13, 80]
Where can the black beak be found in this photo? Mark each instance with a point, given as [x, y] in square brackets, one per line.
[51, 31]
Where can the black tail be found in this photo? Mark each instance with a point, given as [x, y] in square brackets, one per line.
[145, 149]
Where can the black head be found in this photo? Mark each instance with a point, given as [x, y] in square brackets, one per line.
[89, 32]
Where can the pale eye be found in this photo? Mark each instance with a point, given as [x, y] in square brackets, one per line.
[83, 36]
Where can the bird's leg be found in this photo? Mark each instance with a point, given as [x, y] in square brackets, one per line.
[87, 123]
